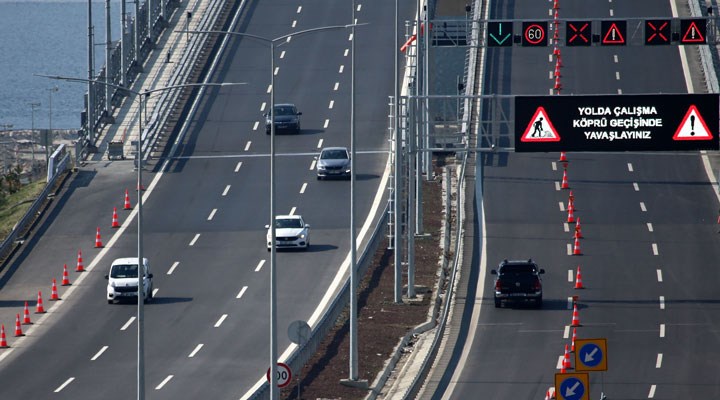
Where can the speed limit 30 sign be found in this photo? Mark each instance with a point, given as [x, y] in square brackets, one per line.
[283, 373]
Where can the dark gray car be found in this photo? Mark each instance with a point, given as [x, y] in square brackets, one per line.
[286, 117]
[333, 162]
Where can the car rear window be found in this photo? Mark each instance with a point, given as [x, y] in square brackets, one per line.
[518, 269]
[333, 155]
[283, 110]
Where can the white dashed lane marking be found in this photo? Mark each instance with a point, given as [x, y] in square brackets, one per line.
[242, 292]
[164, 382]
[662, 330]
[561, 205]
[197, 348]
[312, 165]
[99, 353]
[220, 320]
[659, 275]
[256, 125]
[320, 143]
[342, 68]
[262, 106]
[636, 187]
[237, 167]
[332, 103]
[212, 214]
[292, 210]
[337, 85]
[172, 268]
[325, 125]
[192, 242]
[277, 69]
[128, 323]
[642, 206]
[649, 226]
[662, 302]
[651, 393]
[227, 189]
[67, 382]
[655, 249]
[302, 189]
[630, 167]
[570, 275]
[247, 146]
[299, 9]
[658, 363]
[282, 54]
[260, 265]
[566, 332]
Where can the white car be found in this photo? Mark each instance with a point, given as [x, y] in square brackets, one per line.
[123, 280]
[291, 231]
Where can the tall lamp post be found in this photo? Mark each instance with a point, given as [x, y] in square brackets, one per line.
[140, 95]
[49, 141]
[33, 106]
[274, 393]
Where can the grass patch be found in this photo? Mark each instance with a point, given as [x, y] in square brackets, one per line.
[14, 206]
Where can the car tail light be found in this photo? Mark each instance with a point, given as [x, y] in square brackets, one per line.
[498, 286]
[537, 286]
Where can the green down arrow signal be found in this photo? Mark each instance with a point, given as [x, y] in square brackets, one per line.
[497, 38]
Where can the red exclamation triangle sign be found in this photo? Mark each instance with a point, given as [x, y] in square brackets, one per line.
[540, 129]
[693, 34]
[693, 127]
[613, 35]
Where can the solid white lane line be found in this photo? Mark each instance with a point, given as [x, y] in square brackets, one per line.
[337, 85]
[320, 142]
[312, 165]
[127, 324]
[166, 380]
[192, 242]
[649, 226]
[642, 206]
[662, 302]
[636, 187]
[554, 165]
[325, 125]
[282, 54]
[569, 249]
[662, 330]
[630, 167]
[220, 321]
[659, 275]
[566, 332]
[172, 268]
[342, 67]
[260, 265]
[99, 353]
[569, 303]
[67, 382]
[242, 292]
[237, 167]
[561, 205]
[651, 393]
[227, 189]
[197, 348]
[332, 103]
[658, 363]
[255, 125]
[557, 186]
[292, 210]
[247, 146]
[655, 249]
[212, 214]
[302, 189]
[566, 227]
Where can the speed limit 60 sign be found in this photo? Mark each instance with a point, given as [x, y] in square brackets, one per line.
[283, 373]
[535, 33]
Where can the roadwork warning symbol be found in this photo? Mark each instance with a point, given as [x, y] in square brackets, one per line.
[540, 129]
[693, 127]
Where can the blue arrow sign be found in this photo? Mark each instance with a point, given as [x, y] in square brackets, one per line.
[590, 354]
[572, 389]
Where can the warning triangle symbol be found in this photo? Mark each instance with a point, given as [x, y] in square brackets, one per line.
[693, 34]
[540, 129]
[693, 127]
[614, 35]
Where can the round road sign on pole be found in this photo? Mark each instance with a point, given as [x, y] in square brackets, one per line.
[284, 375]
[299, 332]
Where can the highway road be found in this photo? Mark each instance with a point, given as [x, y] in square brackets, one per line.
[207, 329]
[650, 238]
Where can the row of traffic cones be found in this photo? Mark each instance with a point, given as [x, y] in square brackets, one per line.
[54, 296]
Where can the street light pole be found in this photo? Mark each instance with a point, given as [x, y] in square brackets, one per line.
[32, 130]
[48, 144]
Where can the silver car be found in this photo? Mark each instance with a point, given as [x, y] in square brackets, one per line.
[333, 162]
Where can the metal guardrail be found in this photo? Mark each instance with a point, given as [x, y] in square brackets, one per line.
[21, 228]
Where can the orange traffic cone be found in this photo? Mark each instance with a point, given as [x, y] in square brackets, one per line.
[557, 65]
[566, 359]
[66, 277]
[3, 339]
[578, 232]
[571, 197]
[39, 309]
[576, 248]
[556, 5]
[572, 342]
[571, 205]
[26, 315]
[578, 279]
[564, 184]
[563, 157]
[18, 327]
[550, 393]
[115, 223]
[571, 216]
[575, 316]
[80, 267]
[556, 35]
[557, 15]
[558, 85]
[98, 240]
[127, 201]
[54, 293]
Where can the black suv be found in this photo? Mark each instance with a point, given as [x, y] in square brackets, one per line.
[518, 280]
[286, 117]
